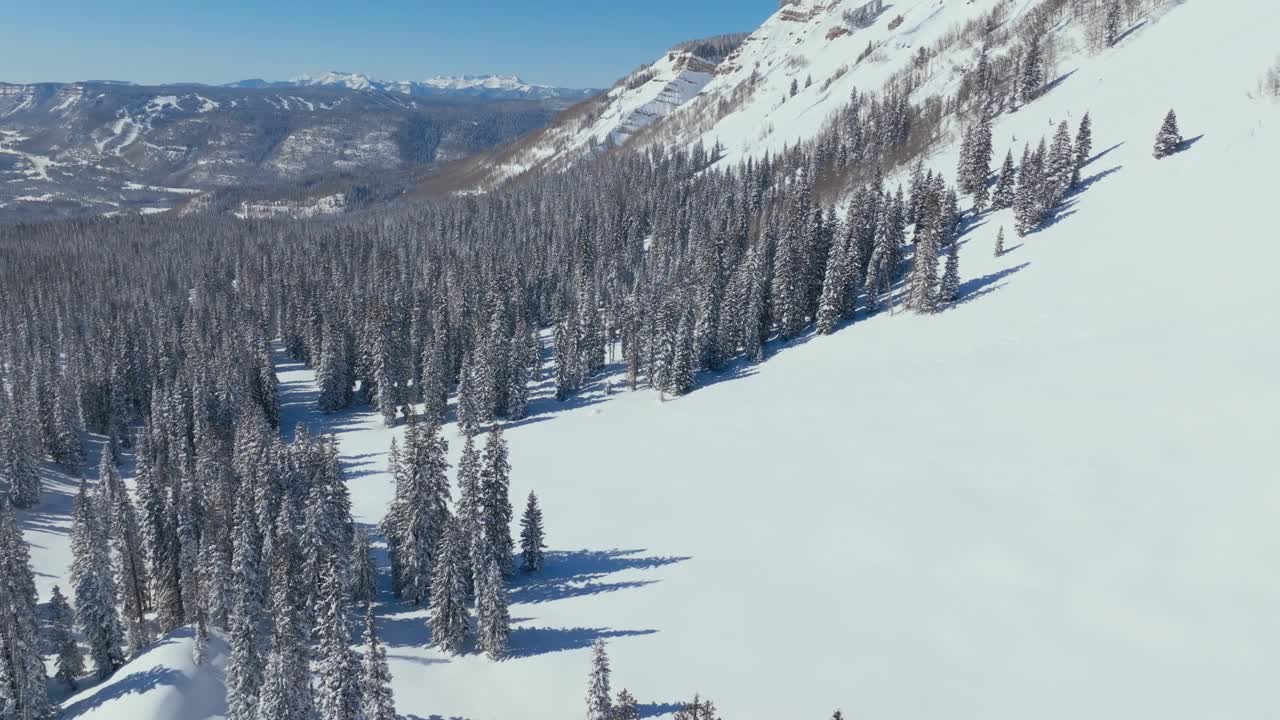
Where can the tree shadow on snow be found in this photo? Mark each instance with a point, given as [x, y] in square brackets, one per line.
[1186, 144]
[569, 574]
[533, 641]
[977, 287]
[1102, 154]
[657, 709]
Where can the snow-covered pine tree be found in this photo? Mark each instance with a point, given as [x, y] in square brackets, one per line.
[435, 383]
[495, 501]
[599, 701]
[244, 667]
[23, 683]
[338, 690]
[200, 648]
[949, 290]
[450, 623]
[130, 570]
[286, 684]
[376, 702]
[94, 586]
[1083, 147]
[364, 573]
[517, 378]
[333, 376]
[69, 659]
[17, 454]
[1003, 195]
[1169, 139]
[467, 411]
[532, 540]
[469, 510]
[493, 621]
[1111, 22]
[1032, 79]
[66, 449]
[424, 464]
[832, 304]
[625, 706]
[1061, 166]
[1026, 198]
[248, 586]
[923, 297]
[1000, 242]
[680, 378]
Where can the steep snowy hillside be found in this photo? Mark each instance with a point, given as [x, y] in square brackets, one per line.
[793, 73]
[612, 118]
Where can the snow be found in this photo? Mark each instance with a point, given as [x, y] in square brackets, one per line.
[207, 105]
[163, 682]
[157, 188]
[1055, 500]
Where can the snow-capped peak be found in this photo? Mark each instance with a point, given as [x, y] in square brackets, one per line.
[489, 82]
[353, 81]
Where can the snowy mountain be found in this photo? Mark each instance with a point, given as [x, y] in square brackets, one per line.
[505, 87]
[1053, 500]
[92, 148]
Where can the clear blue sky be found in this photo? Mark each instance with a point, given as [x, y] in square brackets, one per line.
[575, 43]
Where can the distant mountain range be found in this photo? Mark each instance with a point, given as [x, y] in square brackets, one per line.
[493, 87]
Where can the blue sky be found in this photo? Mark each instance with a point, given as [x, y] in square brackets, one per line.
[576, 43]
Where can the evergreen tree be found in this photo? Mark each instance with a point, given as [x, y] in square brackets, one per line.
[493, 621]
[625, 707]
[450, 623]
[375, 677]
[531, 537]
[286, 688]
[94, 587]
[470, 510]
[1169, 139]
[1003, 195]
[599, 702]
[435, 384]
[1000, 242]
[363, 571]
[949, 291]
[244, 667]
[17, 456]
[467, 411]
[495, 500]
[1083, 147]
[130, 569]
[334, 376]
[69, 659]
[23, 682]
[425, 463]
[338, 694]
[1111, 22]
[200, 648]
[518, 379]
